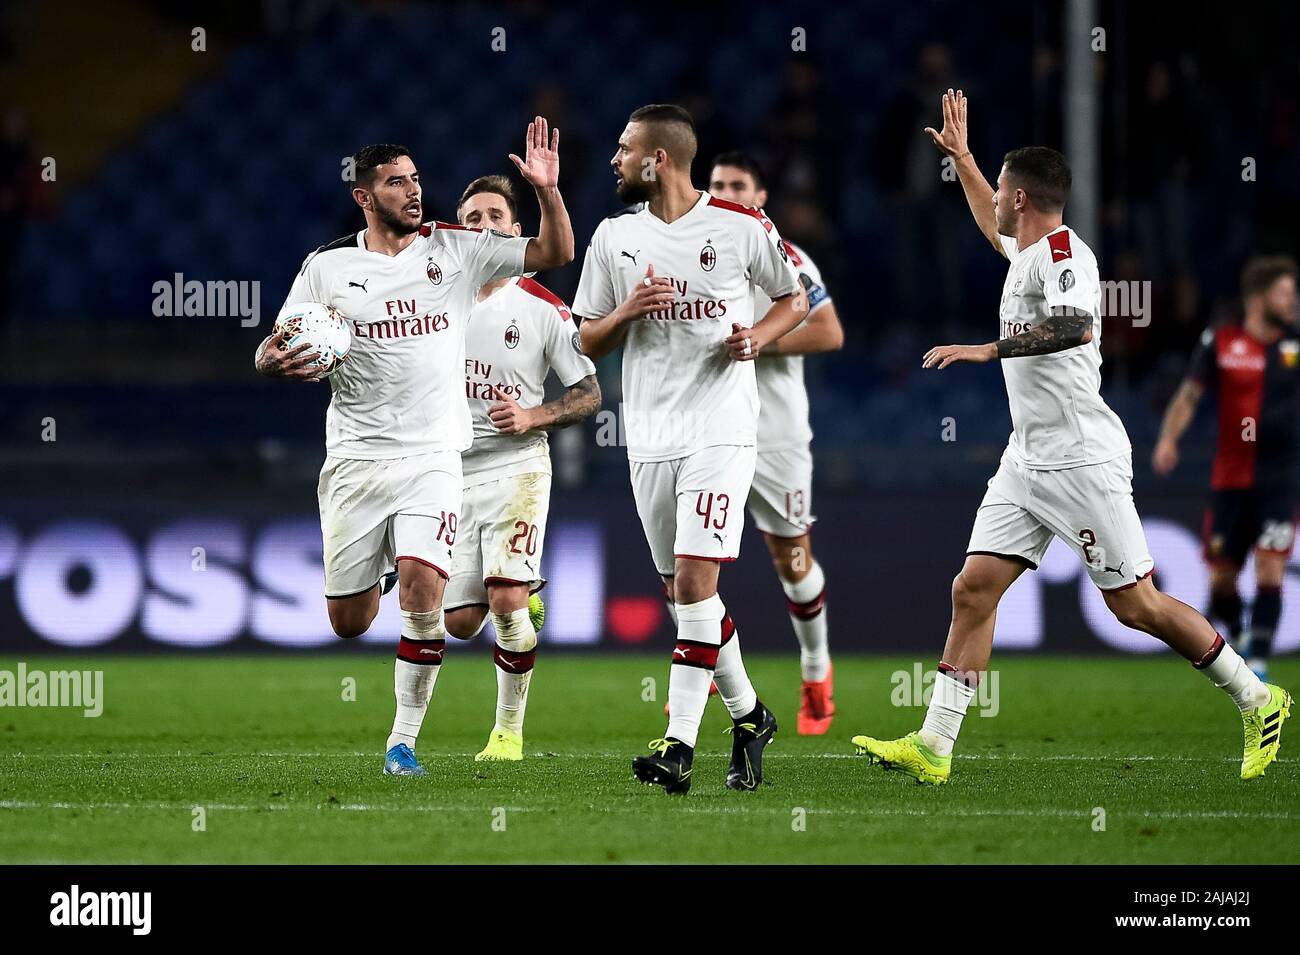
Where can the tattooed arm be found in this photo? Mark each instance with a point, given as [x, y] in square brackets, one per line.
[1064, 328]
[580, 400]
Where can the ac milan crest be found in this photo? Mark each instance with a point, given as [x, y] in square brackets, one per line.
[434, 272]
[512, 335]
[708, 258]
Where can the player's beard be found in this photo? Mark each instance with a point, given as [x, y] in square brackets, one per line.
[1004, 228]
[1279, 320]
[396, 220]
[633, 191]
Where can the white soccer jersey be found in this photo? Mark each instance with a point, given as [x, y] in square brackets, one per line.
[399, 391]
[783, 420]
[681, 392]
[1058, 417]
[516, 336]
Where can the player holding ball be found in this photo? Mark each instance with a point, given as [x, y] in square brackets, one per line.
[390, 490]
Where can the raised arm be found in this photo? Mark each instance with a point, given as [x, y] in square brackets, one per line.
[552, 247]
[951, 141]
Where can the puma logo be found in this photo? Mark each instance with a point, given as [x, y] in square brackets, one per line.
[361, 285]
[631, 255]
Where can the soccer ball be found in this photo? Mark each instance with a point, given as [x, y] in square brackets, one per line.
[321, 327]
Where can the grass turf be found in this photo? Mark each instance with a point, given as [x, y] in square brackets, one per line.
[288, 771]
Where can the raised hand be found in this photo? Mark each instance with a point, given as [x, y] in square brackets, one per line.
[541, 163]
[951, 140]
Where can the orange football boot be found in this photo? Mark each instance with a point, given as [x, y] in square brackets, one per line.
[816, 705]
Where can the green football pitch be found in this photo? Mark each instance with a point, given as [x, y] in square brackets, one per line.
[265, 759]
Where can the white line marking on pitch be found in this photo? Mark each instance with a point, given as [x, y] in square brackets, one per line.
[1013, 757]
[16, 804]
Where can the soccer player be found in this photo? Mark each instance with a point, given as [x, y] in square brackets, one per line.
[518, 333]
[390, 489]
[1255, 369]
[781, 499]
[1067, 470]
[672, 278]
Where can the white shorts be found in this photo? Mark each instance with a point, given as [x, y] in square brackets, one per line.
[374, 513]
[502, 525]
[1090, 508]
[694, 506]
[781, 498]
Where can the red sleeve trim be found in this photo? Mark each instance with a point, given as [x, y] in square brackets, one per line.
[426, 230]
[758, 214]
[535, 288]
[1059, 242]
[795, 258]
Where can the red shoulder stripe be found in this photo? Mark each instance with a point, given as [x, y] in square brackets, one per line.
[426, 230]
[533, 287]
[795, 258]
[744, 210]
[1059, 242]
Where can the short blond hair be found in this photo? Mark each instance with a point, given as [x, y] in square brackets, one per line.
[498, 185]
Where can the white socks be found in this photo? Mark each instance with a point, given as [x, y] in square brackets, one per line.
[948, 702]
[699, 637]
[1228, 671]
[806, 601]
[515, 653]
[733, 682]
[415, 671]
